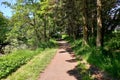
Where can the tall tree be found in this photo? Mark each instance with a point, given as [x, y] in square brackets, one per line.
[99, 40]
[4, 29]
[85, 25]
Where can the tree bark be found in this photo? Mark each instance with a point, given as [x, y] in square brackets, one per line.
[99, 40]
[45, 25]
[85, 28]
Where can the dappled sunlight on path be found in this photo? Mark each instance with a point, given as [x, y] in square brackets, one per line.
[62, 66]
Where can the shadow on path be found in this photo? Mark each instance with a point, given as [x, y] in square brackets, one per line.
[73, 72]
[88, 72]
[65, 45]
[80, 72]
[72, 60]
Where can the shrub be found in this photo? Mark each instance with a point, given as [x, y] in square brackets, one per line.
[48, 44]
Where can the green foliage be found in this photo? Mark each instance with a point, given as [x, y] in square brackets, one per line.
[4, 28]
[56, 35]
[106, 58]
[84, 72]
[34, 67]
[113, 42]
[66, 37]
[48, 44]
[9, 63]
[32, 22]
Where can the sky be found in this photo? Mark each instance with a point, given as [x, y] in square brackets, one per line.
[5, 9]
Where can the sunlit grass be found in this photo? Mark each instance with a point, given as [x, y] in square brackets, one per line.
[32, 69]
[11, 62]
[105, 59]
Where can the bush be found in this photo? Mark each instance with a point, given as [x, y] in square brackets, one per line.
[113, 44]
[112, 41]
[48, 44]
[9, 63]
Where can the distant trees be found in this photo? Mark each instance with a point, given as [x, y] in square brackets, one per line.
[31, 24]
[4, 29]
[36, 21]
[32, 21]
[91, 14]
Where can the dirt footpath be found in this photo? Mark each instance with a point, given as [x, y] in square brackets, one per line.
[62, 66]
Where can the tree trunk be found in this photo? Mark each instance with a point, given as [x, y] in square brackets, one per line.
[99, 40]
[45, 25]
[85, 28]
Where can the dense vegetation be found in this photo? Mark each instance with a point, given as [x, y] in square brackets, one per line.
[92, 24]
[34, 67]
[9, 63]
[106, 59]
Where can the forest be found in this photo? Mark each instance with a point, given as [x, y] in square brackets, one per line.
[92, 27]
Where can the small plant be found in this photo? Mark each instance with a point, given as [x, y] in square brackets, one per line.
[84, 72]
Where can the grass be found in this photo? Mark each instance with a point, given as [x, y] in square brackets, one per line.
[11, 62]
[33, 68]
[107, 58]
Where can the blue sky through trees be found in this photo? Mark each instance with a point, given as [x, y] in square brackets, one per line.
[5, 9]
[8, 12]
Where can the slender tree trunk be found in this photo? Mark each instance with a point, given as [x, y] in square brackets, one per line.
[85, 29]
[93, 24]
[99, 41]
[45, 25]
[38, 38]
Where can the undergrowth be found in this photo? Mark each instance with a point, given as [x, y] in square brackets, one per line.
[9, 63]
[34, 67]
[106, 58]
[48, 44]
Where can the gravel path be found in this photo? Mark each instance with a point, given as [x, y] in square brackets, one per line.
[63, 65]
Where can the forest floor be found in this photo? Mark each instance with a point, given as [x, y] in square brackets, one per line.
[62, 65]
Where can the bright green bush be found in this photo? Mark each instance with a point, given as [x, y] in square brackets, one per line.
[48, 44]
[9, 63]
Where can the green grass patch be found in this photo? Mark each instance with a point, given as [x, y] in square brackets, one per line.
[34, 67]
[64, 36]
[11, 62]
[106, 58]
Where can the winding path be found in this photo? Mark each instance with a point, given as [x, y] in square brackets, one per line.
[63, 65]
